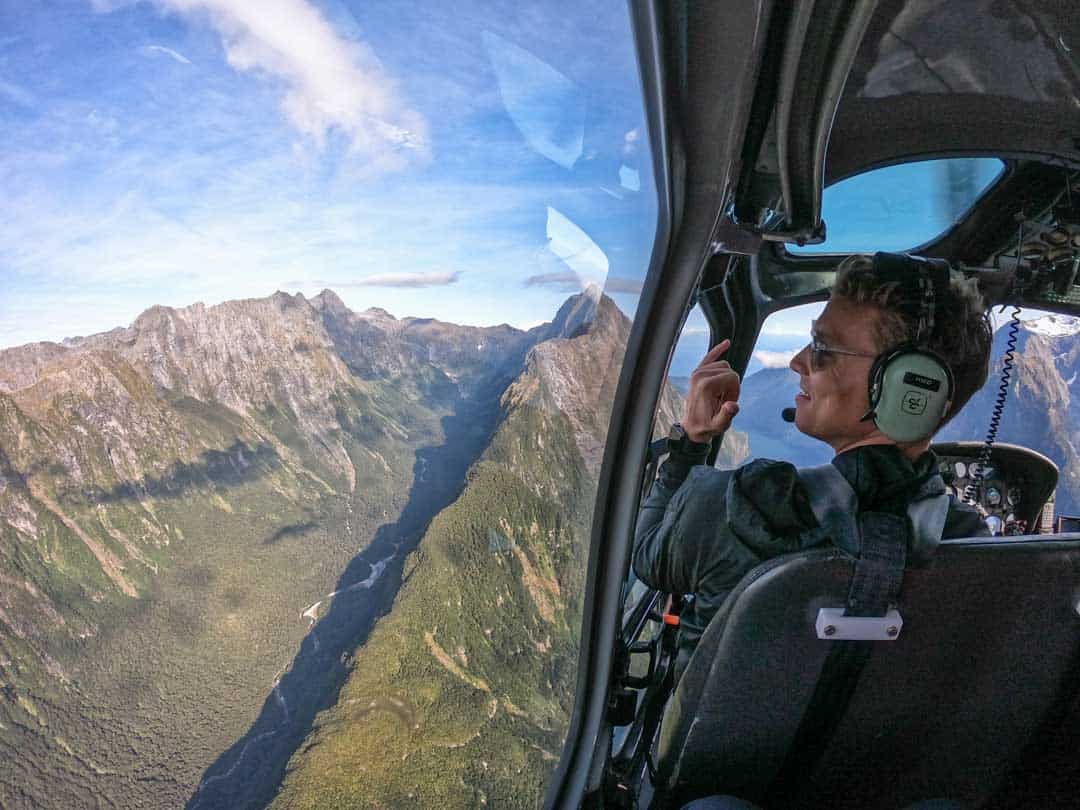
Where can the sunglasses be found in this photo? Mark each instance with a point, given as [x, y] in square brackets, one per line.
[819, 351]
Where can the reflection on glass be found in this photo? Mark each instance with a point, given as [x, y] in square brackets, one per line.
[577, 250]
[544, 104]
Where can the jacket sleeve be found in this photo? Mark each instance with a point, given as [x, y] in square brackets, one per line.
[664, 556]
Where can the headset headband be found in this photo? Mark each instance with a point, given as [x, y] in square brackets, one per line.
[923, 281]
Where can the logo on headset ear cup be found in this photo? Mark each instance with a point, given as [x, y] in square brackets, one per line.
[910, 389]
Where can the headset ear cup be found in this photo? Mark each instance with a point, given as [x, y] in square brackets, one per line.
[910, 390]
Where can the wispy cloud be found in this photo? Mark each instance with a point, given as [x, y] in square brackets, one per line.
[569, 281]
[436, 279]
[771, 359]
[152, 49]
[564, 281]
[622, 284]
[333, 84]
[12, 92]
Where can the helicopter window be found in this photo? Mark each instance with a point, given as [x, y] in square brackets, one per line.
[1033, 395]
[770, 385]
[1042, 380]
[311, 323]
[902, 206]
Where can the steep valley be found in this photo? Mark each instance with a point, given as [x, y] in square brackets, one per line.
[462, 694]
[204, 516]
[174, 495]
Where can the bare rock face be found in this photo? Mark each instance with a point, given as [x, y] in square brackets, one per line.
[377, 346]
[575, 369]
[21, 365]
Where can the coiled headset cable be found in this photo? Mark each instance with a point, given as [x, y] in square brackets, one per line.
[1003, 385]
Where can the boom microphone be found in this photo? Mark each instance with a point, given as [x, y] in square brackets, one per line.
[788, 414]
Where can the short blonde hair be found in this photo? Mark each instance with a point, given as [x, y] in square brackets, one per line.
[962, 334]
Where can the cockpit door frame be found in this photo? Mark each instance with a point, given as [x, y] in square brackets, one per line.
[699, 71]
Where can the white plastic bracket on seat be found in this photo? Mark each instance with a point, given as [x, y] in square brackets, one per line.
[833, 625]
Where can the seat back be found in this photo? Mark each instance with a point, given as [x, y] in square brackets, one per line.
[989, 650]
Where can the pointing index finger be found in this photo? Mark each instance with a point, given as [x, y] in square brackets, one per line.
[717, 351]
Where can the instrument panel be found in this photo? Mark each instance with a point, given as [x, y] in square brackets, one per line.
[1010, 490]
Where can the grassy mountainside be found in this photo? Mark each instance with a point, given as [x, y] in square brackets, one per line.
[472, 673]
[172, 497]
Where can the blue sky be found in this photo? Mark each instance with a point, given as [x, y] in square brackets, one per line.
[477, 163]
[474, 162]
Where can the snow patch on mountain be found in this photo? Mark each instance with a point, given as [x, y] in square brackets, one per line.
[1054, 325]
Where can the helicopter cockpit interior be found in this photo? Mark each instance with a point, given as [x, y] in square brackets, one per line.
[759, 110]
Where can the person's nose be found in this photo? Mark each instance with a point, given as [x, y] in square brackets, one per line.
[799, 363]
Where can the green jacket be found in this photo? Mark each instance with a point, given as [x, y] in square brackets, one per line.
[701, 529]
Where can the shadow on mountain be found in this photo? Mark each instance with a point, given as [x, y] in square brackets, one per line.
[248, 774]
[292, 530]
[235, 465]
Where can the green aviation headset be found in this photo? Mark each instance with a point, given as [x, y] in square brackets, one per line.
[911, 386]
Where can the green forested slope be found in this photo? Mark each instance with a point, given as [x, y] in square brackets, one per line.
[461, 695]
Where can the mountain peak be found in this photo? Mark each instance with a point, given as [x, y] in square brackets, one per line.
[378, 313]
[329, 301]
[589, 310]
[1054, 325]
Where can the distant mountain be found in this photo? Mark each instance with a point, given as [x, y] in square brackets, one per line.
[1042, 408]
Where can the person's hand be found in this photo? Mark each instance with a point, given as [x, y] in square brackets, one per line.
[712, 401]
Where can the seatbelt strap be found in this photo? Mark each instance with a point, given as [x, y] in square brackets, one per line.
[875, 587]
[880, 562]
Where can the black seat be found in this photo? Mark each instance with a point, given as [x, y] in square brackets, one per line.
[987, 661]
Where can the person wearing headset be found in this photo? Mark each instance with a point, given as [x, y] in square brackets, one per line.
[901, 346]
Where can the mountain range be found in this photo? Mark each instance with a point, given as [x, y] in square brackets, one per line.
[203, 516]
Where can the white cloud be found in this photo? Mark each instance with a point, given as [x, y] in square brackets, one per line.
[332, 84]
[179, 57]
[771, 359]
[793, 322]
[436, 279]
[622, 284]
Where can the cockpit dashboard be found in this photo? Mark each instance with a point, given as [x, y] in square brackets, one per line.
[1013, 491]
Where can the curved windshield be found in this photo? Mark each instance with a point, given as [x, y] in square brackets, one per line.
[901, 207]
[313, 315]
